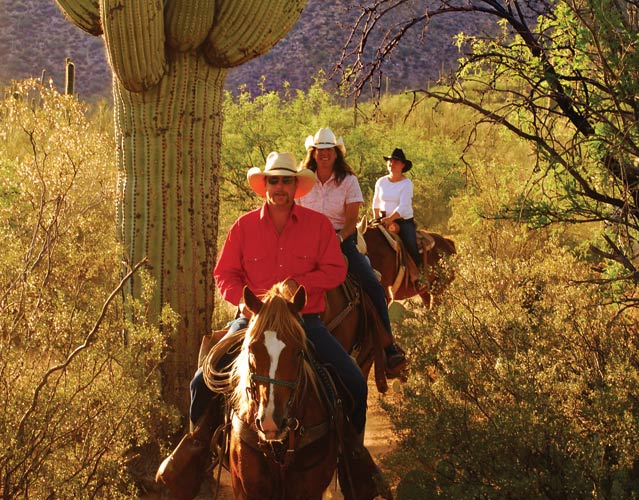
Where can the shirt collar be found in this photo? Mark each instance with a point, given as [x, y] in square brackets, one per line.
[293, 214]
[330, 179]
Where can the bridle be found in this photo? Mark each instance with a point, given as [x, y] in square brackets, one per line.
[292, 424]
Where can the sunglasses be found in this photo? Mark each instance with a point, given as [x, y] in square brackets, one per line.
[285, 180]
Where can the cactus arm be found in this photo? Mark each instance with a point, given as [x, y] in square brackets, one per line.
[134, 39]
[84, 14]
[246, 29]
[187, 23]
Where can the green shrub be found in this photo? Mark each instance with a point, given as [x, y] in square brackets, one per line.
[79, 387]
[523, 382]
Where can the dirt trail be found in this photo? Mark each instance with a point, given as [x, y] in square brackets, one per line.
[379, 439]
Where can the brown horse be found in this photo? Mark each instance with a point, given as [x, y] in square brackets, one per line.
[349, 315]
[388, 261]
[352, 318]
[282, 442]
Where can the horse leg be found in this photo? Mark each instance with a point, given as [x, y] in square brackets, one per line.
[250, 476]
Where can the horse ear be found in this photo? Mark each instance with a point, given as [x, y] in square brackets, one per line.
[361, 243]
[253, 303]
[299, 299]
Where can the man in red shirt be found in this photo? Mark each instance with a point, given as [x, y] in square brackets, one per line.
[281, 241]
[278, 241]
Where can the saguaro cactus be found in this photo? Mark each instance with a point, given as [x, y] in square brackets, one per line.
[169, 60]
[69, 77]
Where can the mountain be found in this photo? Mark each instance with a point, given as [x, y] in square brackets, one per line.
[35, 37]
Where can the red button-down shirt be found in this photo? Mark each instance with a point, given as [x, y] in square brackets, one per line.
[255, 254]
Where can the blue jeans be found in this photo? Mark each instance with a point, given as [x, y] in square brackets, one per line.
[328, 351]
[408, 234]
[360, 266]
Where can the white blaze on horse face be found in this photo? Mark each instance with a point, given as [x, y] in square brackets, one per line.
[274, 347]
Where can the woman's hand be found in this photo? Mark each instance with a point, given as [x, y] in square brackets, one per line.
[245, 311]
[389, 223]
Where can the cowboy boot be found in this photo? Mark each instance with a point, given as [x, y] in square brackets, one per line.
[395, 360]
[183, 471]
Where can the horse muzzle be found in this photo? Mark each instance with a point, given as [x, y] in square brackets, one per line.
[268, 431]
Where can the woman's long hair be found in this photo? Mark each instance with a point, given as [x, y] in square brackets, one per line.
[341, 168]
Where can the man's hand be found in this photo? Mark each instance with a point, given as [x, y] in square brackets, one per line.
[245, 311]
[289, 287]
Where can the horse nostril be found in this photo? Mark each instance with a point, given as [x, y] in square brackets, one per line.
[258, 424]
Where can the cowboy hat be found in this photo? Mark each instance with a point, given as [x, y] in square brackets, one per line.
[398, 154]
[283, 165]
[323, 139]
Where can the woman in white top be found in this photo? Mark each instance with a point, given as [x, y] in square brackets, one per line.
[393, 201]
[336, 194]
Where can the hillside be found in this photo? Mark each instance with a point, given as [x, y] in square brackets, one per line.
[35, 36]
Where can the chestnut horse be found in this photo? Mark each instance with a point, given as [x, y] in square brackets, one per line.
[388, 262]
[283, 444]
[352, 318]
[349, 315]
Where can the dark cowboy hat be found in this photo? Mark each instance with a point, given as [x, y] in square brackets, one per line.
[398, 154]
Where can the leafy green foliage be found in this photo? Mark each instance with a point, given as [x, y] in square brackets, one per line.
[522, 382]
[79, 384]
[560, 75]
[257, 125]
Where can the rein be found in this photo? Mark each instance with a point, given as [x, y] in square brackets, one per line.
[274, 381]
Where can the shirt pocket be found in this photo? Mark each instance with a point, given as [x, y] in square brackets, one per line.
[255, 262]
[301, 264]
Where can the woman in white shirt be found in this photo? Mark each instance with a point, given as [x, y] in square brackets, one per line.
[336, 194]
[393, 201]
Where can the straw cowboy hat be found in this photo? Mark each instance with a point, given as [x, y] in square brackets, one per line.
[282, 165]
[398, 154]
[323, 139]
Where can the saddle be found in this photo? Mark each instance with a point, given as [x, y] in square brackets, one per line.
[407, 268]
[373, 338]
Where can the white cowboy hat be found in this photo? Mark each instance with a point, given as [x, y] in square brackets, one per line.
[283, 165]
[323, 139]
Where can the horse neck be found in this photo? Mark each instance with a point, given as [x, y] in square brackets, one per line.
[382, 256]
